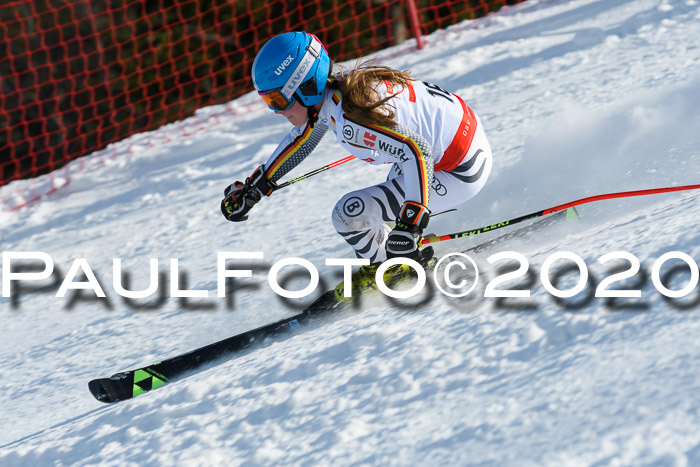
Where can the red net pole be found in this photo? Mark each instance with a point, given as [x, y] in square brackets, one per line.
[415, 22]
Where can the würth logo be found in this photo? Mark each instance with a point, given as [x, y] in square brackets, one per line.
[369, 139]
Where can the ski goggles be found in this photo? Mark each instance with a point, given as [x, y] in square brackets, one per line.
[282, 99]
[276, 101]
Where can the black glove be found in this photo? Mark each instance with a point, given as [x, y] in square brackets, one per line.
[404, 239]
[239, 198]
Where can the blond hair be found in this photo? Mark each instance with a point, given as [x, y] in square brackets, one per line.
[361, 101]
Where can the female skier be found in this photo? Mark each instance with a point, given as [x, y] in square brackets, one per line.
[437, 146]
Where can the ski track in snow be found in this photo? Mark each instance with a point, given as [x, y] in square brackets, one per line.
[579, 97]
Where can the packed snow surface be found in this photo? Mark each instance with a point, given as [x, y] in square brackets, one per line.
[578, 98]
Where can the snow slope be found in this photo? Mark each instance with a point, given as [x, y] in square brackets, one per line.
[579, 97]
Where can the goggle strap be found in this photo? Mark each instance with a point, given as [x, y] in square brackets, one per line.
[313, 52]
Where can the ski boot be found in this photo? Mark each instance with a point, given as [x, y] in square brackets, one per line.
[364, 279]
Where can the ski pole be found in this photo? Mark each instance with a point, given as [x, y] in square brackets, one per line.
[561, 207]
[314, 172]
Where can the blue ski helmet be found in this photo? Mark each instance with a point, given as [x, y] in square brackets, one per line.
[296, 64]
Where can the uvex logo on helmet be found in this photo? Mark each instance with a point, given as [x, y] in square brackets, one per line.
[298, 75]
[287, 61]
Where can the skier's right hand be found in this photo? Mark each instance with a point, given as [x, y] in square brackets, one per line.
[404, 240]
[239, 198]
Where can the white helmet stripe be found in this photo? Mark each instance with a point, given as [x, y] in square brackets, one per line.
[313, 51]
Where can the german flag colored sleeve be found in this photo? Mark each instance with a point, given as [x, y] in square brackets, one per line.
[293, 149]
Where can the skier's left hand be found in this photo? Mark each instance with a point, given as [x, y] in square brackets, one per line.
[404, 240]
[239, 198]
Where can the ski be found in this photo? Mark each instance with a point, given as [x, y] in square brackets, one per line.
[566, 207]
[128, 384]
[528, 231]
[131, 383]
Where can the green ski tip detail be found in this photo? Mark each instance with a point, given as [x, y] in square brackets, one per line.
[140, 375]
[145, 380]
[571, 213]
[157, 382]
